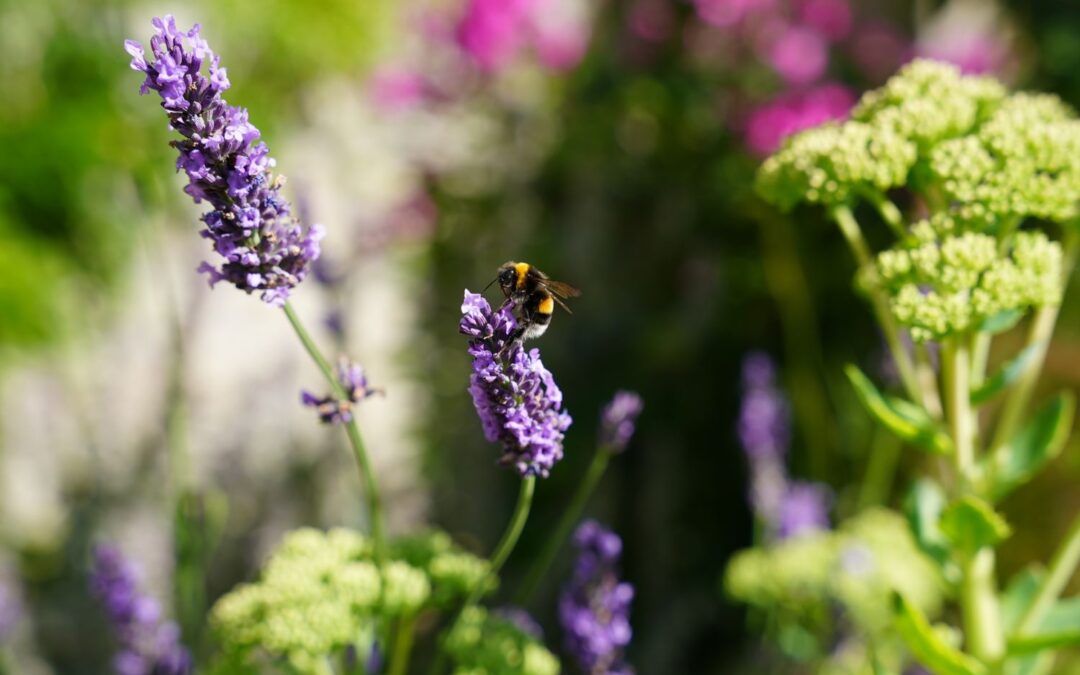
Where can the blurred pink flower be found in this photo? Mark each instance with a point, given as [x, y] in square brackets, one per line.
[561, 47]
[492, 31]
[976, 36]
[770, 123]
[831, 18]
[393, 89]
[651, 20]
[798, 54]
[728, 13]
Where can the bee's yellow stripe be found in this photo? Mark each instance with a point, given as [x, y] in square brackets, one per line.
[522, 269]
[546, 306]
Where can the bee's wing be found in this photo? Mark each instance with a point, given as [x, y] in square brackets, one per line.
[560, 289]
[561, 303]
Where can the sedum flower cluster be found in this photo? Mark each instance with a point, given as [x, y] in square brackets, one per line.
[939, 285]
[488, 644]
[320, 592]
[978, 161]
[858, 566]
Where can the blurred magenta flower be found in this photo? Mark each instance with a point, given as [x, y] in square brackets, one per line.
[831, 18]
[878, 49]
[395, 89]
[770, 123]
[493, 31]
[729, 13]
[798, 54]
[804, 509]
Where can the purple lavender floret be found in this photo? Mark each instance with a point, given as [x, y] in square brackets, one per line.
[804, 509]
[263, 247]
[594, 608]
[355, 383]
[148, 645]
[619, 420]
[764, 428]
[518, 402]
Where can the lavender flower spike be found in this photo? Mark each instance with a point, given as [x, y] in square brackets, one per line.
[148, 645]
[354, 382]
[618, 421]
[594, 608]
[518, 402]
[264, 249]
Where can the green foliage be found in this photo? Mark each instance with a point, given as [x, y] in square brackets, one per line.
[931, 645]
[908, 421]
[482, 644]
[1007, 374]
[1059, 628]
[321, 592]
[971, 524]
[924, 504]
[1035, 445]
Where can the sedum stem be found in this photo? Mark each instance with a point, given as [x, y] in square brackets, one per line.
[371, 488]
[1062, 567]
[956, 377]
[979, 605]
[853, 234]
[402, 645]
[569, 517]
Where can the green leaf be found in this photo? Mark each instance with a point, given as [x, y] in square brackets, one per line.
[1041, 440]
[923, 506]
[1008, 374]
[1002, 321]
[907, 420]
[927, 646]
[1059, 628]
[1018, 595]
[971, 524]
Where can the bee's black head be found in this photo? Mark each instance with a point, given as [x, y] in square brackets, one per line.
[507, 278]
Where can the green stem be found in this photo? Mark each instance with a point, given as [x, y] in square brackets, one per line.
[570, 516]
[888, 211]
[924, 370]
[956, 378]
[1062, 567]
[402, 647]
[880, 469]
[371, 488]
[979, 605]
[850, 229]
[502, 552]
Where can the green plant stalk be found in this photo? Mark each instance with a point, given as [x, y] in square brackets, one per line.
[570, 516]
[888, 212]
[880, 469]
[498, 558]
[853, 234]
[956, 381]
[985, 638]
[371, 488]
[924, 370]
[1062, 567]
[402, 645]
[1042, 329]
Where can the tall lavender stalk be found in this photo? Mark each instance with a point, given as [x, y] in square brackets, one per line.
[261, 246]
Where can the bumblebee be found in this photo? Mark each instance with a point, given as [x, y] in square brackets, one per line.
[534, 294]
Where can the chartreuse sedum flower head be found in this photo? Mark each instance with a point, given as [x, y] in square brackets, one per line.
[939, 286]
[454, 574]
[929, 101]
[321, 592]
[830, 164]
[485, 644]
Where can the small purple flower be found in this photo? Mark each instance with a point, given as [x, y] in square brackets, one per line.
[804, 509]
[618, 421]
[594, 608]
[516, 397]
[764, 418]
[522, 620]
[264, 249]
[148, 645]
[353, 380]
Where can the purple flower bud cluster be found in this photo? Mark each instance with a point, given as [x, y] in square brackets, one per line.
[148, 645]
[518, 402]
[594, 608]
[333, 411]
[264, 249]
[619, 420]
[788, 508]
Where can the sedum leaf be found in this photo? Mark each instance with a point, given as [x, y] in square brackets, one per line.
[907, 420]
[971, 524]
[1040, 441]
[927, 646]
[1008, 374]
[1059, 628]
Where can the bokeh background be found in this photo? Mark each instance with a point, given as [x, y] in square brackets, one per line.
[610, 142]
